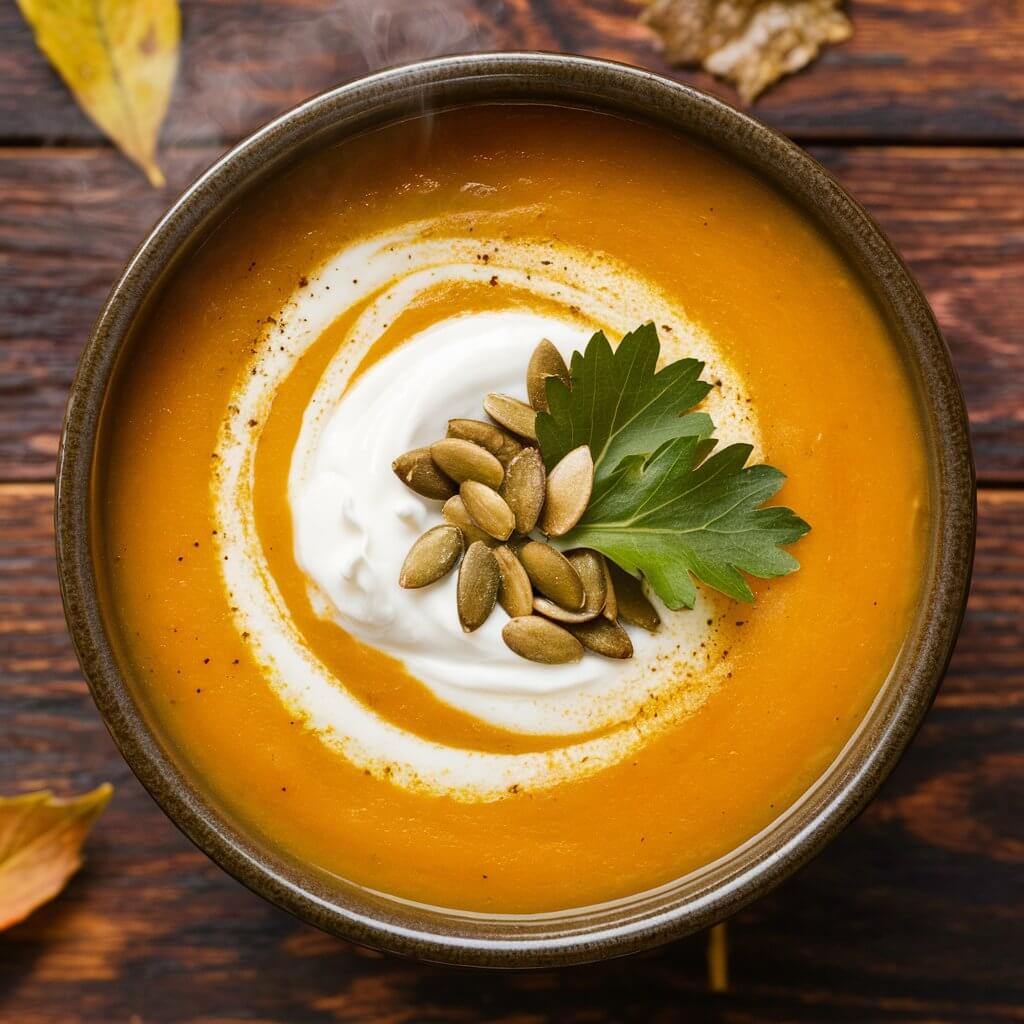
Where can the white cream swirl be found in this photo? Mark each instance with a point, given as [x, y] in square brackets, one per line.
[354, 521]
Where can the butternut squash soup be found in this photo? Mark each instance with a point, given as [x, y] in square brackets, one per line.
[268, 458]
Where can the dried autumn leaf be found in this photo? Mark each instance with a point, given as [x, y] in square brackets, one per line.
[752, 43]
[118, 58]
[40, 847]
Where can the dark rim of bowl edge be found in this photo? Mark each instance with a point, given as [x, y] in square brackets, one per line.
[711, 893]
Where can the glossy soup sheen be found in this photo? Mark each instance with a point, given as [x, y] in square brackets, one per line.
[805, 660]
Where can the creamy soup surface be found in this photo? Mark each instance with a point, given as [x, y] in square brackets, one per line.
[248, 530]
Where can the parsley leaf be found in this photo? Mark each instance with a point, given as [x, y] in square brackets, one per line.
[672, 515]
[619, 405]
[659, 506]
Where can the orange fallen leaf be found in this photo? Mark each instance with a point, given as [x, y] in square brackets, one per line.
[118, 58]
[752, 43]
[41, 847]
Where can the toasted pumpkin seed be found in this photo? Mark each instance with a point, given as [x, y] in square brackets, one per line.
[568, 492]
[604, 637]
[418, 471]
[464, 460]
[545, 362]
[432, 556]
[477, 588]
[500, 443]
[488, 509]
[523, 488]
[552, 574]
[454, 512]
[611, 603]
[515, 594]
[537, 639]
[633, 605]
[513, 415]
[589, 565]
[550, 610]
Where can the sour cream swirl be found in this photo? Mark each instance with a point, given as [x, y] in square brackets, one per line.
[354, 521]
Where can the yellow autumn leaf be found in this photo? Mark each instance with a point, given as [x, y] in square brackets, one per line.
[118, 58]
[41, 847]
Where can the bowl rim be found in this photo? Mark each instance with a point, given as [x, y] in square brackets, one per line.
[700, 898]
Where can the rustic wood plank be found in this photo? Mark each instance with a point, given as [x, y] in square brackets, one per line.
[915, 914]
[72, 217]
[914, 69]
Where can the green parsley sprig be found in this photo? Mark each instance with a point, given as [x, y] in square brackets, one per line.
[662, 506]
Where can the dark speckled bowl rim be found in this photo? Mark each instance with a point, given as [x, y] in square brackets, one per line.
[703, 897]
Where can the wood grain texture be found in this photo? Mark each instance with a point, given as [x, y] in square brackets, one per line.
[70, 219]
[914, 914]
[916, 69]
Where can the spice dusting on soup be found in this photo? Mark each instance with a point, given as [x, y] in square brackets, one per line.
[415, 608]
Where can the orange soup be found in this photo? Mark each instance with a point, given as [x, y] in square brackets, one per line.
[247, 520]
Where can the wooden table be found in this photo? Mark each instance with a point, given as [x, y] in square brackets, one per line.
[916, 913]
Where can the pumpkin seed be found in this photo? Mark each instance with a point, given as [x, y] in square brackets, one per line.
[550, 610]
[454, 512]
[515, 594]
[477, 588]
[488, 509]
[634, 607]
[545, 362]
[552, 574]
[464, 460]
[432, 556]
[523, 488]
[568, 492]
[513, 415]
[604, 637]
[590, 566]
[611, 604]
[418, 471]
[537, 639]
[500, 443]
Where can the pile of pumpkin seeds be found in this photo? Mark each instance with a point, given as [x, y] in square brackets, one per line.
[497, 499]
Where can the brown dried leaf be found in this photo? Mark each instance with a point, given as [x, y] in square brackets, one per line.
[118, 58]
[40, 847]
[752, 43]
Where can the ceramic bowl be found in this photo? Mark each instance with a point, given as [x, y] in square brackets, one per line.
[717, 890]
